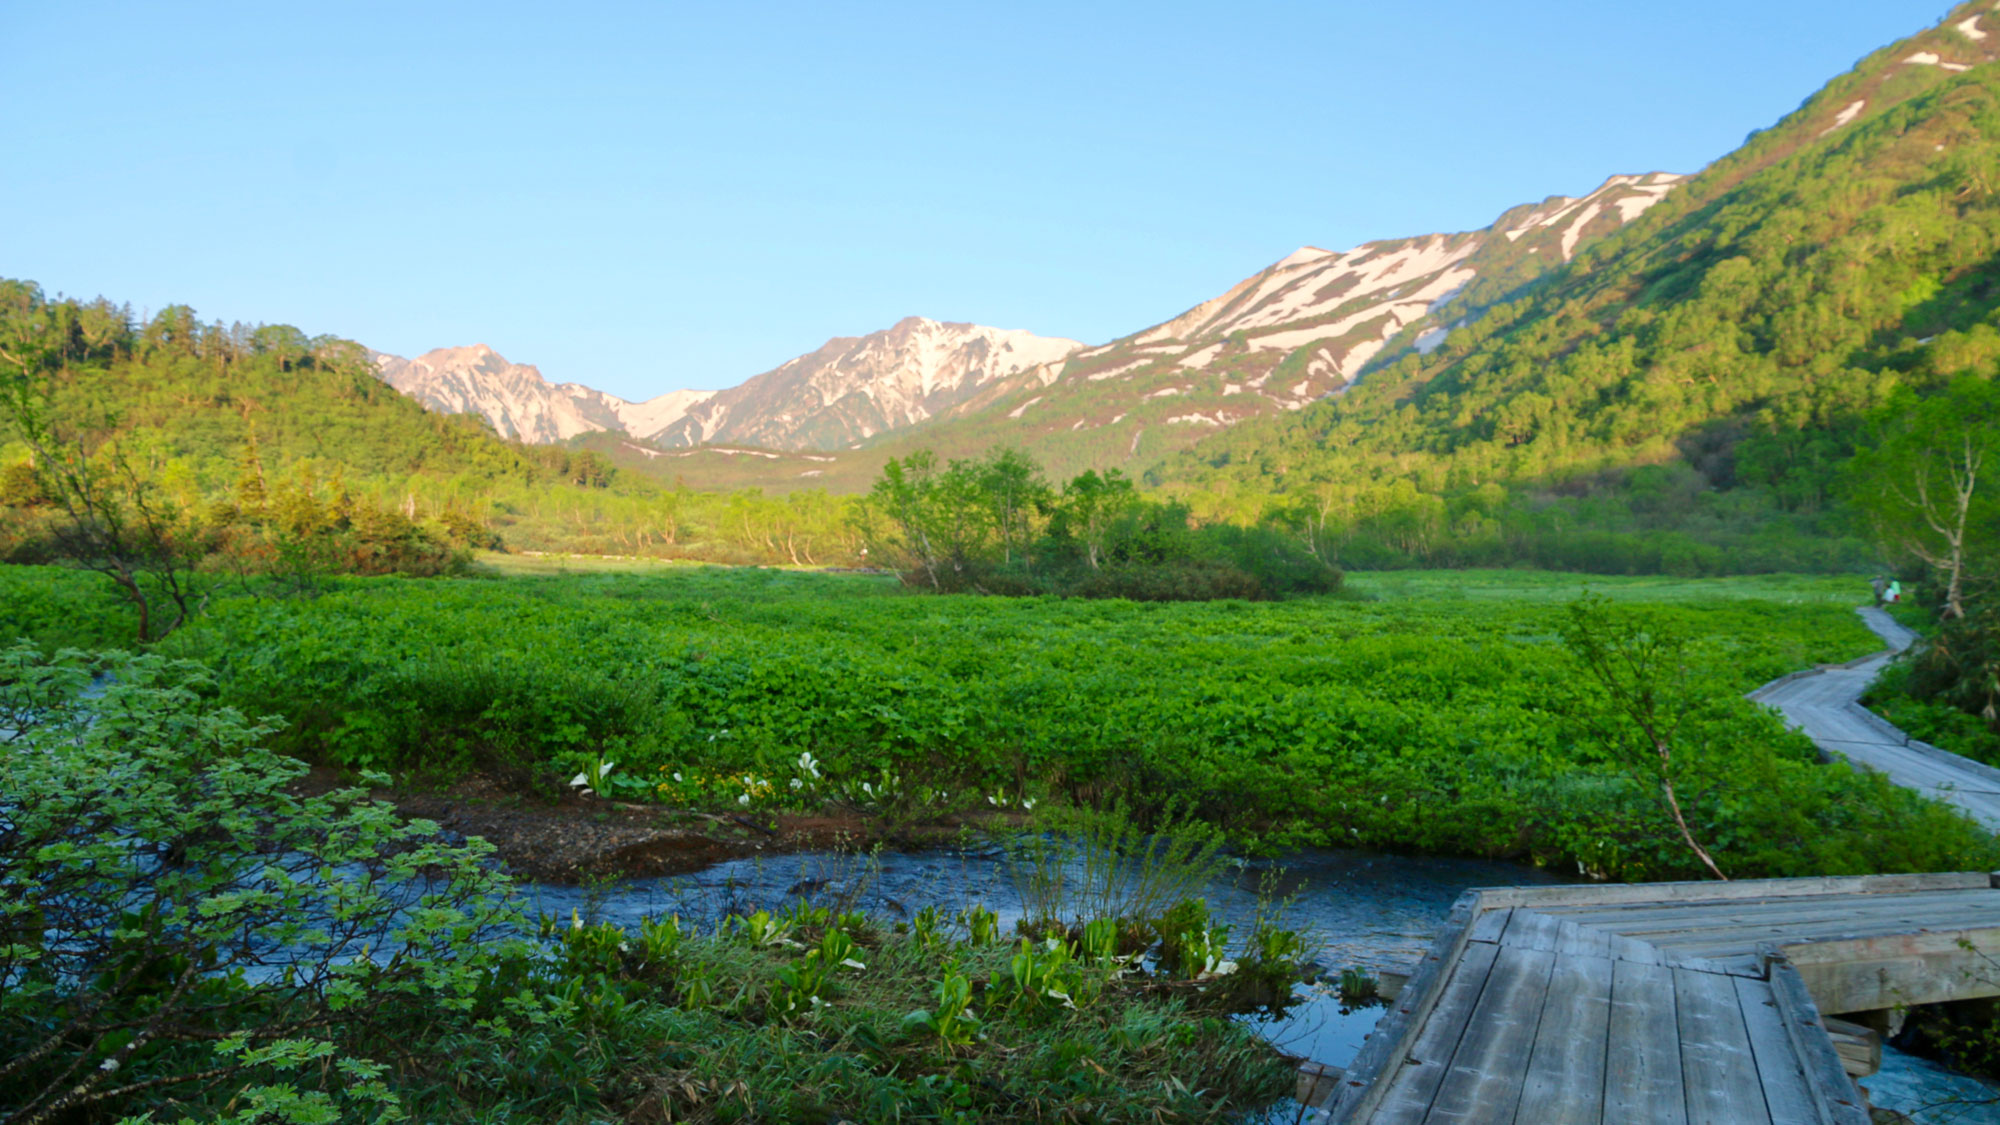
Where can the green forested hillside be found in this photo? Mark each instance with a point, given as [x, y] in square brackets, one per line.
[1733, 338]
[229, 422]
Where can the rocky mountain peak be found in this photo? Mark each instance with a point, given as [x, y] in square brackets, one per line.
[849, 389]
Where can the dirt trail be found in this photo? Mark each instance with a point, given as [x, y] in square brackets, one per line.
[1822, 703]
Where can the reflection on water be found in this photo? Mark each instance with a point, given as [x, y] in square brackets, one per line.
[1359, 909]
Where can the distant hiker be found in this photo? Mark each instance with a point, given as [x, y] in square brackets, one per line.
[1881, 586]
[1895, 592]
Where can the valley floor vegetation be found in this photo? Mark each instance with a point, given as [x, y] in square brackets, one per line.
[1461, 724]
[182, 939]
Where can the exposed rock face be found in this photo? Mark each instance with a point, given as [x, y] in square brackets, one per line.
[854, 388]
[517, 400]
[850, 389]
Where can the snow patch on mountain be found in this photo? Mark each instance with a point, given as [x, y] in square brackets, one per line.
[514, 398]
[1845, 116]
[849, 390]
[854, 388]
[1321, 315]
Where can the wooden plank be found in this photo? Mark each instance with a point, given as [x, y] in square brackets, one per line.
[1490, 924]
[1565, 1080]
[1981, 940]
[1769, 905]
[1832, 1091]
[1531, 929]
[1718, 1072]
[1914, 969]
[1779, 1069]
[1370, 1075]
[1875, 910]
[1483, 1085]
[1819, 932]
[1422, 1069]
[1859, 1047]
[1705, 890]
[1642, 1066]
[1637, 918]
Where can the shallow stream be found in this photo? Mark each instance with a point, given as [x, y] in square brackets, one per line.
[1362, 910]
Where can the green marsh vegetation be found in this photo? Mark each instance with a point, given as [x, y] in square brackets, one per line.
[1413, 722]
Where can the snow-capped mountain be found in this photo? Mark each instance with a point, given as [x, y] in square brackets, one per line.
[1303, 328]
[854, 388]
[517, 400]
[1306, 326]
[850, 389]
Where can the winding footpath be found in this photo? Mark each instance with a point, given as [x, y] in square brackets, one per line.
[1822, 702]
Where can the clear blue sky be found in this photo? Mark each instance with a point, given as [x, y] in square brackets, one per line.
[649, 196]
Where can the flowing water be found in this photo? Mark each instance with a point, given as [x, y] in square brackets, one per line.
[1359, 909]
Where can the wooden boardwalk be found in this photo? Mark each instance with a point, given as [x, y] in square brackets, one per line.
[1692, 1003]
[1822, 703]
[1689, 1003]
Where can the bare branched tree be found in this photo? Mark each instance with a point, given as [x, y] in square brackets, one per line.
[114, 519]
[1645, 700]
[1923, 488]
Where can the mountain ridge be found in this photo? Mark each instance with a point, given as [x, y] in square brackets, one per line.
[847, 390]
[516, 399]
[1846, 254]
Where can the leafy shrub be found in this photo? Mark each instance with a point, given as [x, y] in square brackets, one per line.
[174, 924]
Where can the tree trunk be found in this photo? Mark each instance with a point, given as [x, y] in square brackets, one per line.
[1674, 806]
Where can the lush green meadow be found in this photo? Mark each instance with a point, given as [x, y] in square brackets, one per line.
[1438, 714]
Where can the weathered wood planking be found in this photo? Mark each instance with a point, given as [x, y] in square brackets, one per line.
[1642, 1066]
[1835, 1096]
[1564, 1084]
[1420, 1072]
[1859, 1046]
[1563, 1017]
[1779, 1069]
[1367, 1080]
[1822, 704]
[1483, 1084]
[1592, 894]
[1632, 918]
[1911, 968]
[1718, 1071]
